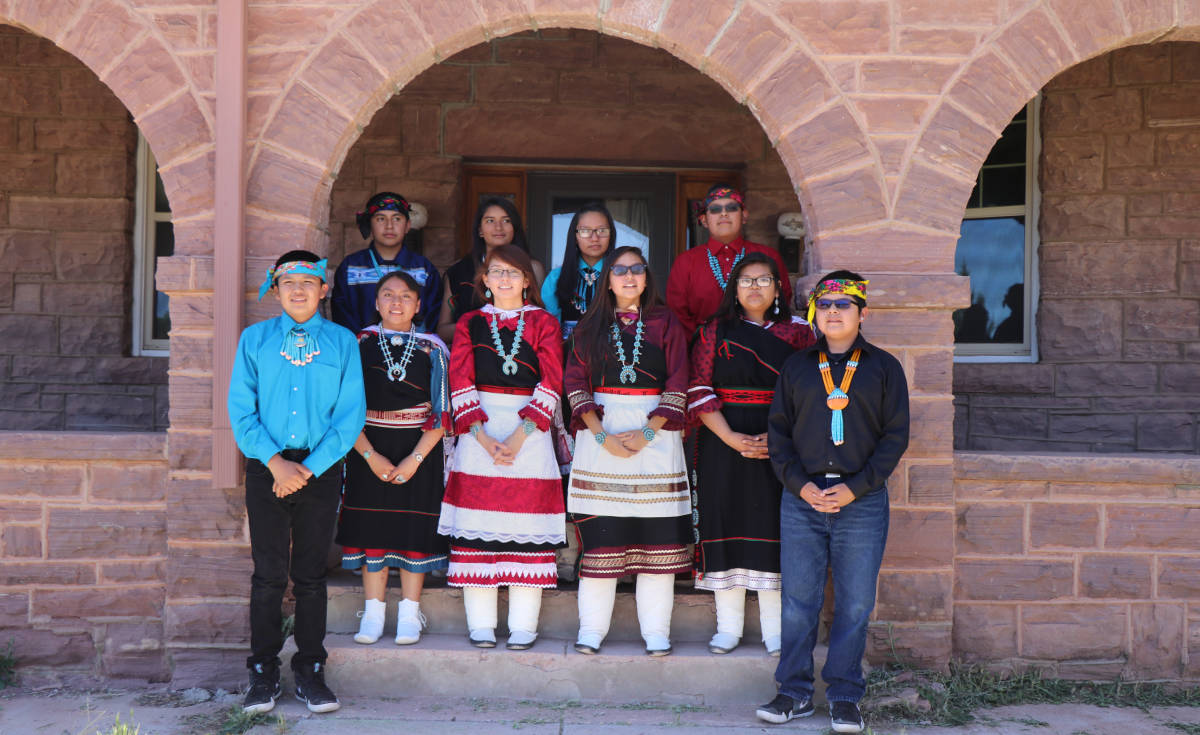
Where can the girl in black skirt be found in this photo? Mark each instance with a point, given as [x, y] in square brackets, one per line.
[735, 362]
[395, 475]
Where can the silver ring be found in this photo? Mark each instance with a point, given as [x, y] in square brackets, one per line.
[383, 475]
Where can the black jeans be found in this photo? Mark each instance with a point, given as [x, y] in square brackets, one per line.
[296, 529]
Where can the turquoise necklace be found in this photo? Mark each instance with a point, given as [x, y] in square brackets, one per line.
[628, 374]
[397, 371]
[722, 281]
[509, 366]
[299, 347]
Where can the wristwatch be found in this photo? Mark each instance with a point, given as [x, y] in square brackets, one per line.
[648, 433]
[600, 437]
[528, 426]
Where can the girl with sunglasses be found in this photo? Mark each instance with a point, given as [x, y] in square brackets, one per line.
[736, 360]
[503, 508]
[699, 276]
[628, 494]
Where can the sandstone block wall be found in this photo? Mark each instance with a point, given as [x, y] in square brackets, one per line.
[67, 183]
[83, 551]
[555, 95]
[1084, 566]
[1118, 325]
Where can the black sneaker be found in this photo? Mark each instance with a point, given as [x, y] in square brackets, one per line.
[264, 688]
[845, 717]
[311, 689]
[784, 709]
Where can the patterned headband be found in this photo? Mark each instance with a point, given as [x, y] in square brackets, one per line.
[724, 192]
[835, 285]
[378, 203]
[296, 266]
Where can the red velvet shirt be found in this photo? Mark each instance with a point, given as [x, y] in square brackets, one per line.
[692, 290]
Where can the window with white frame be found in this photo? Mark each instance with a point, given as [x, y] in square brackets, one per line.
[153, 237]
[996, 249]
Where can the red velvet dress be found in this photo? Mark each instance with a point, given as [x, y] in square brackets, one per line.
[693, 291]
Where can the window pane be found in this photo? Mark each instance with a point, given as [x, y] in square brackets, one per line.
[992, 253]
[1010, 148]
[164, 239]
[1003, 187]
[160, 195]
[162, 316]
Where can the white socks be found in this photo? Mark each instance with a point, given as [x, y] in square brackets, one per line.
[371, 626]
[655, 596]
[770, 608]
[409, 622]
[480, 604]
[731, 619]
[524, 608]
[596, 599]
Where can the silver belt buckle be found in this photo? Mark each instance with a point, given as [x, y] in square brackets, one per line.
[831, 475]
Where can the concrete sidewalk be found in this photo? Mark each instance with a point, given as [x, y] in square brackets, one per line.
[158, 712]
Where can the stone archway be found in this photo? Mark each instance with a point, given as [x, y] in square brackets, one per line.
[760, 59]
[131, 56]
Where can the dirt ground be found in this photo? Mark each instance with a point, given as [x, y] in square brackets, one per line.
[157, 711]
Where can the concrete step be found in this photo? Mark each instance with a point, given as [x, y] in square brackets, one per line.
[693, 619]
[447, 665]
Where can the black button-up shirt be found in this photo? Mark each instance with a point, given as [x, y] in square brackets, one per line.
[875, 421]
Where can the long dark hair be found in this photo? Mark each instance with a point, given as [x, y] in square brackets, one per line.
[478, 246]
[568, 276]
[517, 258]
[730, 309]
[591, 337]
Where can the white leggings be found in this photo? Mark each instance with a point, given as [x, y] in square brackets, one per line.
[655, 598]
[524, 607]
[731, 611]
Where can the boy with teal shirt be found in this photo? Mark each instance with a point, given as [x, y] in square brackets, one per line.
[296, 405]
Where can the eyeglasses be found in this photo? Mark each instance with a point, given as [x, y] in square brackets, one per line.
[637, 269]
[586, 232]
[501, 274]
[839, 304]
[761, 281]
[730, 208]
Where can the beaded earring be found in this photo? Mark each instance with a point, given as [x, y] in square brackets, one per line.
[776, 303]
[524, 294]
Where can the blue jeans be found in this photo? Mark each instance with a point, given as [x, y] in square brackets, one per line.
[851, 541]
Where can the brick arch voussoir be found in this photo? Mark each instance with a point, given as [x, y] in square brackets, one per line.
[1000, 78]
[99, 33]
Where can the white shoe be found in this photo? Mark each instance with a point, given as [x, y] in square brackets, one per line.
[774, 645]
[409, 622]
[520, 640]
[483, 637]
[723, 643]
[371, 626]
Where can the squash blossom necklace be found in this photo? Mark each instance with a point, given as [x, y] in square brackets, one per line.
[509, 366]
[838, 398]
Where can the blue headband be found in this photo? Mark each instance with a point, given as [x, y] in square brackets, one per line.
[296, 266]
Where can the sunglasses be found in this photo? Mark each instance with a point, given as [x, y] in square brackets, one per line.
[730, 208]
[637, 269]
[839, 304]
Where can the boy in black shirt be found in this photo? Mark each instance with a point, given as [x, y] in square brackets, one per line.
[837, 428]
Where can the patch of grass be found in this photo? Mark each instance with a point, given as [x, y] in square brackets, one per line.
[8, 666]
[911, 696]
[1030, 722]
[233, 721]
[121, 728]
[1187, 728]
